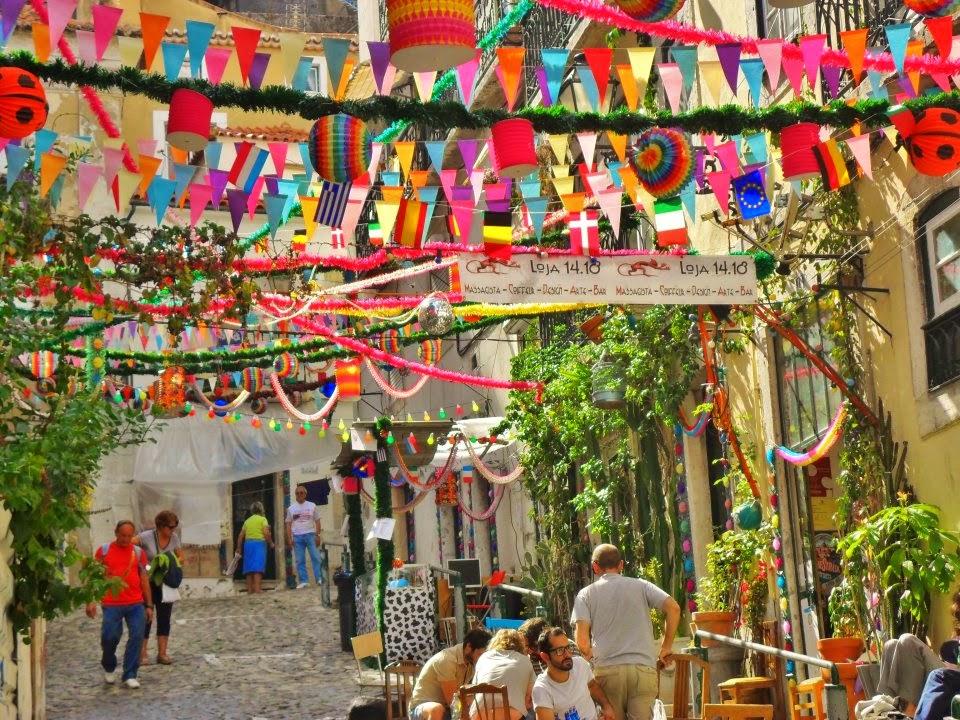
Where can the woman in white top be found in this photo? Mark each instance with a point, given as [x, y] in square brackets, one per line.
[161, 539]
[505, 663]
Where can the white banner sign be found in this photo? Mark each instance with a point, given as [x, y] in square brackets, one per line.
[623, 280]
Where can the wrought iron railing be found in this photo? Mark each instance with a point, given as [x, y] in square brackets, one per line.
[942, 340]
[544, 27]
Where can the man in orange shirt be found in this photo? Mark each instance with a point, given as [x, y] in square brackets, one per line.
[132, 604]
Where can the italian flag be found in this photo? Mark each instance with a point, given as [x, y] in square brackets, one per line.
[669, 223]
[376, 234]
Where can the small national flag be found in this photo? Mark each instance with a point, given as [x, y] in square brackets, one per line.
[585, 232]
[299, 241]
[376, 234]
[338, 240]
[497, 234]
[833, 167]
[669, 222]
[333, 203]
[751, 196]
[247, 166]
[411, 219]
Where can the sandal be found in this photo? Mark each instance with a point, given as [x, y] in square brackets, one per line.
[164, 660]
[144, 661]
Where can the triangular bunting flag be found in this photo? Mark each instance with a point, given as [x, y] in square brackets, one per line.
[41, 41]
[200, 195]
[672, 81]
[435, 150]
[258, 69]
[148, 168]
[87, 176]
[558, 143]
[379, 62]
[729, 56]
[50, 168]
[811, 49]
[199, 35]
[641, 62]
[685, 56]
[274, 204]
[609, 201]
[105, 20]
[467, 78]
[855, 44]
[720, 184]
[9, 13]
[387, 216]
[628, 85]
[60, 12]
[16, 161]
[599, 60]
[588, 145]
[216, 60]
[468, 151]
[510, 62]
[308, 206]
[245, 41]
[405, 152]
[537, 211]
[771, 52]
[554, 66]
[793, 69]
[218, 180]
[619, 144]
[941, 30]
[753, 74]
[898, 35]
[173, 57]
[588, 85]
[711, 73]
[237, 202]
[335, 50]
[278, 154]
[425, 82]
[153, 27]
[860, 147]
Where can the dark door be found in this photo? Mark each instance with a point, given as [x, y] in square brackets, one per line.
[245, 493]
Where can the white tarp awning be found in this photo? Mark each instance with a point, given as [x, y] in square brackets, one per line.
[502, 458]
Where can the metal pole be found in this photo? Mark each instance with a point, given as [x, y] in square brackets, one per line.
[836, 693]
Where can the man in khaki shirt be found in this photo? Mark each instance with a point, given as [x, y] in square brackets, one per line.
[443, 674]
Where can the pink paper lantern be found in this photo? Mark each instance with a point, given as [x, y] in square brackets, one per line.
[431, 36]
[188, 122]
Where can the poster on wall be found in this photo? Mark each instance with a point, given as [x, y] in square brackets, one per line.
[822, 491]
[826, 561]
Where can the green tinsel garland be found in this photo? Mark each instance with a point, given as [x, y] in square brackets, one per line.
[726, 120]
[383, 504]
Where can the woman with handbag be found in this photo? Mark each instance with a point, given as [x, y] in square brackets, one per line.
[162, 547]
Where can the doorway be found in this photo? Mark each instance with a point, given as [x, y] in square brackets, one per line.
[244, 493]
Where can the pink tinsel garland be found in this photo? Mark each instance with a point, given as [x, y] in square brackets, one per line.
[89, 94]
[684, 34]
[365, 350]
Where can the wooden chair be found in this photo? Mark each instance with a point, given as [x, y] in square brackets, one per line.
[737, 712]
[399, 678]
[365, 646]
[806, 700]
[485, 701]
[681, 685]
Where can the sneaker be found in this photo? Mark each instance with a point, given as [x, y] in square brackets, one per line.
[132, 683]
[301, 586]
[319, 583]
[110, 677]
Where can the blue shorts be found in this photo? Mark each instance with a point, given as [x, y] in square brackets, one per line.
[415, 713]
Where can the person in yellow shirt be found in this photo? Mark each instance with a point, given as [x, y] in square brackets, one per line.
[254, 538]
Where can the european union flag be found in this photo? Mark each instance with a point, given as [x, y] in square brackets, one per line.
[751, 197]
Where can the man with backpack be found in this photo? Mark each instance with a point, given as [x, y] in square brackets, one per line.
[132, 603]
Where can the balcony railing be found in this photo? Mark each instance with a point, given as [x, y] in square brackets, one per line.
[544, 27]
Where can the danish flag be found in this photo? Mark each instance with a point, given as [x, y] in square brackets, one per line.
[585, 233]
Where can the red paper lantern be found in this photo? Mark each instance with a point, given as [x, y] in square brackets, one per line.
[23, 103]
[796, 144]
[188, 123]
[934, 144]
[514, 154]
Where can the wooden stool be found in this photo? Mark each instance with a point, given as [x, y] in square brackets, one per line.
[806, 700]
[747, 690]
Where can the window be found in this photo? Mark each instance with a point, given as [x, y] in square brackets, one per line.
[317, 77]
[938, 246]
[773, 22]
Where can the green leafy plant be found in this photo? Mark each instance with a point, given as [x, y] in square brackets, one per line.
[842, 607]
[735, 568]
[904, 556]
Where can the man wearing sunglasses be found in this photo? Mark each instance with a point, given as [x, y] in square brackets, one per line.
[567, 689]
[614, 631]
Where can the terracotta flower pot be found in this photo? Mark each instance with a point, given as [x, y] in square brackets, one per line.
[720, 623]
[840, 650]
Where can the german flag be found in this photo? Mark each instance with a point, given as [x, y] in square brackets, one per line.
[498, 233]
[833, 167]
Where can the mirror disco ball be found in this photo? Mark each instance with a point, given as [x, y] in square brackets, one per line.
[436, 315]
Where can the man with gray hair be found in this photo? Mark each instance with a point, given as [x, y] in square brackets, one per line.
[613, 630]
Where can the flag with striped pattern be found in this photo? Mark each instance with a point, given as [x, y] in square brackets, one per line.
[333, 203]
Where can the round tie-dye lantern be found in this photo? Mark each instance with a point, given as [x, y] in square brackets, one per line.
[663, 161]
[650, 10]
[286, 365]
[340, 147]
[251, 379]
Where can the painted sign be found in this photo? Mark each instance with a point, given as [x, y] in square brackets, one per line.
[623, 280]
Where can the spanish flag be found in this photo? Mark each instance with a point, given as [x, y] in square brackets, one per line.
[411, 221]
[498, 234]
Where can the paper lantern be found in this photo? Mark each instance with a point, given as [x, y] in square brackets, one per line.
[348, 379]
[650, 10]
[429, 352]
[23, 103]
[251, 379]
[796, 145]
[431, 36]
[351, 485]
[934, 143]
[447, 491]
[258, 406]
[340, 148]
[933, 8]
[286, 365]
[43, 363]
[514, 154]
[390, 341]
[663, 161]
[170, 390]
[188, 122]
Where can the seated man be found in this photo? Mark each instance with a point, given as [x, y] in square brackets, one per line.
[445, 672]
[941, 685]
[567, 689]
[531, 630]
[904, 665]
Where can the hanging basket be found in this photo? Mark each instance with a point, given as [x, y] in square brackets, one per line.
[609, 385]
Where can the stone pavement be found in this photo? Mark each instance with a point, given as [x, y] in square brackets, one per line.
[273, 656]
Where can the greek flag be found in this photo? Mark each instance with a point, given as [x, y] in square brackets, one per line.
[333, 203]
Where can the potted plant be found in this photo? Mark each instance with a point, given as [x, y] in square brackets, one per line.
[734, 562]
[846, 643]
[904, 557]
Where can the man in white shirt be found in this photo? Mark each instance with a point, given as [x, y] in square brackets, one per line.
[567, 689]
[613, 629]
[303, 535]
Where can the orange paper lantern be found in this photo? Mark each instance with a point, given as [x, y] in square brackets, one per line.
[348, 379]
[23, 103]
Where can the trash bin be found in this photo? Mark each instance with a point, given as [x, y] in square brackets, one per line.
[345, 583]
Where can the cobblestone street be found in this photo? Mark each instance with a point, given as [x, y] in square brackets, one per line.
[273, 656]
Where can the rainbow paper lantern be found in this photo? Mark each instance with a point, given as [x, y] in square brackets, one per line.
[42, 364]
[650, 10]
[286, 365]
[431, 36]
[390, 341]
[340, 147]
[258, 405]
[429, 351]
[251, 379]
[663, 161]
